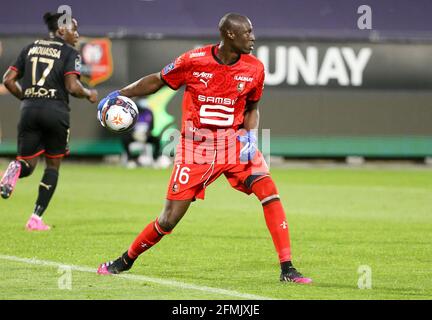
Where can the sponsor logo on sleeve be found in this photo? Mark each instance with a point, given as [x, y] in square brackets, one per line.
[78, 63]
[168, 68]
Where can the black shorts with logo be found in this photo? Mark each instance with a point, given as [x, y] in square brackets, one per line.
[43, 129]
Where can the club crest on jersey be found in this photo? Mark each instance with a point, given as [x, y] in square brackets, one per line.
[240, 86]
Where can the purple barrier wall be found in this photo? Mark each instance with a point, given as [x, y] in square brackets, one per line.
[391, 19]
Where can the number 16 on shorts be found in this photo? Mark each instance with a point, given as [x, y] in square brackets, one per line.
[182, 174]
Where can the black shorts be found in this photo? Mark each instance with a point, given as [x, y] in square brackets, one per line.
[43, 129]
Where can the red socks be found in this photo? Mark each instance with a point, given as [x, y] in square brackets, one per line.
[146, 239]
[274, 214]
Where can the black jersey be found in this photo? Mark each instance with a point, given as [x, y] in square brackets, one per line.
[42, 67]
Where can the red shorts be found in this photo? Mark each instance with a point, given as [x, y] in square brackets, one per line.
[189, 179]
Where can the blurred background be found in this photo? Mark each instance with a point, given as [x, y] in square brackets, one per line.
[338, 84]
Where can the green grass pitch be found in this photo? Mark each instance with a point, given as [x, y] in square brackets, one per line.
[339, 219]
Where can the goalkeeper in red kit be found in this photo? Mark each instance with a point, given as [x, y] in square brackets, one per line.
[224, 84]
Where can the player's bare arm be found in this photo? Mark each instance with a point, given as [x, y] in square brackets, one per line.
[77, 90]
[143, 87]
[10, 81]
[251, 116]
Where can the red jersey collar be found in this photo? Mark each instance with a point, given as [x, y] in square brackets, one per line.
[214, 51]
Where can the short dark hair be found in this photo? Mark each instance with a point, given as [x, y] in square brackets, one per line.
[228, 21]
[51, 20]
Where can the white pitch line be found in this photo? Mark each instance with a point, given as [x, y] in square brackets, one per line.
[169, 283]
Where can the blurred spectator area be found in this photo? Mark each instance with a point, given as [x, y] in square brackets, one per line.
[331, 90]
[318, 19]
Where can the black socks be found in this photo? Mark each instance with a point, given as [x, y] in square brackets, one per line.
[47, 187]
[128, 260]
[285, 266]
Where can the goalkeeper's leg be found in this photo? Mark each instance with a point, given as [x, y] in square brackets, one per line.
[173, 211]
[275, 218]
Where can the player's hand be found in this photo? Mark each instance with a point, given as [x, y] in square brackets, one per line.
[93, 97]
[112, 95]
[248, 145]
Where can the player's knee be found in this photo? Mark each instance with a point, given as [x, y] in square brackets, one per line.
[53, 164]
[167, 220]
[265, 190]
[27, 168]
[164, 224]
[172, 214]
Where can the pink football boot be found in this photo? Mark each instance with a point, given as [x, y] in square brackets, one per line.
[35, 223]
[292, 275]
[9, 179]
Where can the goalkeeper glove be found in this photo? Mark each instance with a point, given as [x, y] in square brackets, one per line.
[248, 146]
[110, 96]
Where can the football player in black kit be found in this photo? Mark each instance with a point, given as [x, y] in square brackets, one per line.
[48, 71]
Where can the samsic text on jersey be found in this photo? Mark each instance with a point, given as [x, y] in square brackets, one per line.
[216, 94]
